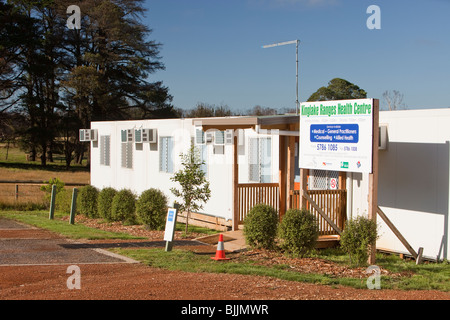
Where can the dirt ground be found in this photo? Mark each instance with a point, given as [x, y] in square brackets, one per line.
[118, 280]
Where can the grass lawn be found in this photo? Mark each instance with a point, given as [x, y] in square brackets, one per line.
[41, 219]
[16, 167]
[15, 157]
[432, 276]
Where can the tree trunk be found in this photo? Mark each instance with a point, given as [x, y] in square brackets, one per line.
[187, 222]
[44, 155]
[68, 149]
[50, 155]
[32, 155]
[7, 150]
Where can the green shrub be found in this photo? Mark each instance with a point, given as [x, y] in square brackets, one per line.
[123, 206]
[87, 201]
[104, 202]
[63, 200]
[260, 226]
[63, 196]
[298, 232]
[48, 187]
[151, 209]
[357, 237]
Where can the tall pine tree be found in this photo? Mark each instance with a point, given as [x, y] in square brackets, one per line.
[61, 79]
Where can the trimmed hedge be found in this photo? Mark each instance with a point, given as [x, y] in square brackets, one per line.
[104, 202]
[358, 235]
[88, 197]
[151, 209]
[260, 226]
[298, 232]
[123, 206]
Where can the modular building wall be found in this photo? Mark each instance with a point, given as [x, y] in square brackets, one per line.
[414, 174]
[413, 187]
[144, 170]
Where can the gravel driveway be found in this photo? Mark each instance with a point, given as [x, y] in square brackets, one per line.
[25, 245]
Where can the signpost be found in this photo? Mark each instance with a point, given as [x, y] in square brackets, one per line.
[171, 220]
[341, 135]
[337, 135]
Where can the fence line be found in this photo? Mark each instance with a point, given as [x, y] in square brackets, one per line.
[251, 194]
[332, 202]
[31, 188]
[40, 182]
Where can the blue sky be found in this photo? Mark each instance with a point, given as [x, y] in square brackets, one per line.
[213, 51]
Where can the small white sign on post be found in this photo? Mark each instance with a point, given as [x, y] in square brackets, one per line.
[170, 227]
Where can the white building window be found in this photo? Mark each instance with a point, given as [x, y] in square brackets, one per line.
[127, 155]
[260, 160]
[166, 154]
[105, 149]
[203, 153]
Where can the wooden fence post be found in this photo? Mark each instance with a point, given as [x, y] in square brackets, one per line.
[16, 195]
[52, 202]
[373, 177]
[73, 207]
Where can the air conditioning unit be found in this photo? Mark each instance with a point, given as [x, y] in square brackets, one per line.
[149, 135]
[229, 135]
[209, 137]
[382, 137]
[127, 135]
[138, 135]
[88, 135]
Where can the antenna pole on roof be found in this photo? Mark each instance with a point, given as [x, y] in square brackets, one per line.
[296, 42]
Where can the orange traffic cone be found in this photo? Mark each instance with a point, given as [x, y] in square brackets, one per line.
[220, 252]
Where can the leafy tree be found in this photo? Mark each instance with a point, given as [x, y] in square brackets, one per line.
[13, 27]
[338, 89]
[112, 59]
[30, 35]
[204, 110]
[261, 111]
[10, 123]
[393, 100]
[53, 75]
[192, 179]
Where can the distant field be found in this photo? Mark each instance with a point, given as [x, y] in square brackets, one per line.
[16, 167]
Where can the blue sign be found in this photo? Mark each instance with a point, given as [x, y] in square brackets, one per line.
[171, 215]
[336, 133]
[170, 224]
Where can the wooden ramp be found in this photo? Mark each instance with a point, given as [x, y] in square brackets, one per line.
[328, 241]
[235, 240]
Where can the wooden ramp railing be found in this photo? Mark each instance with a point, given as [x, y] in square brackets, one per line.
[251, 194]
[331, 202]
